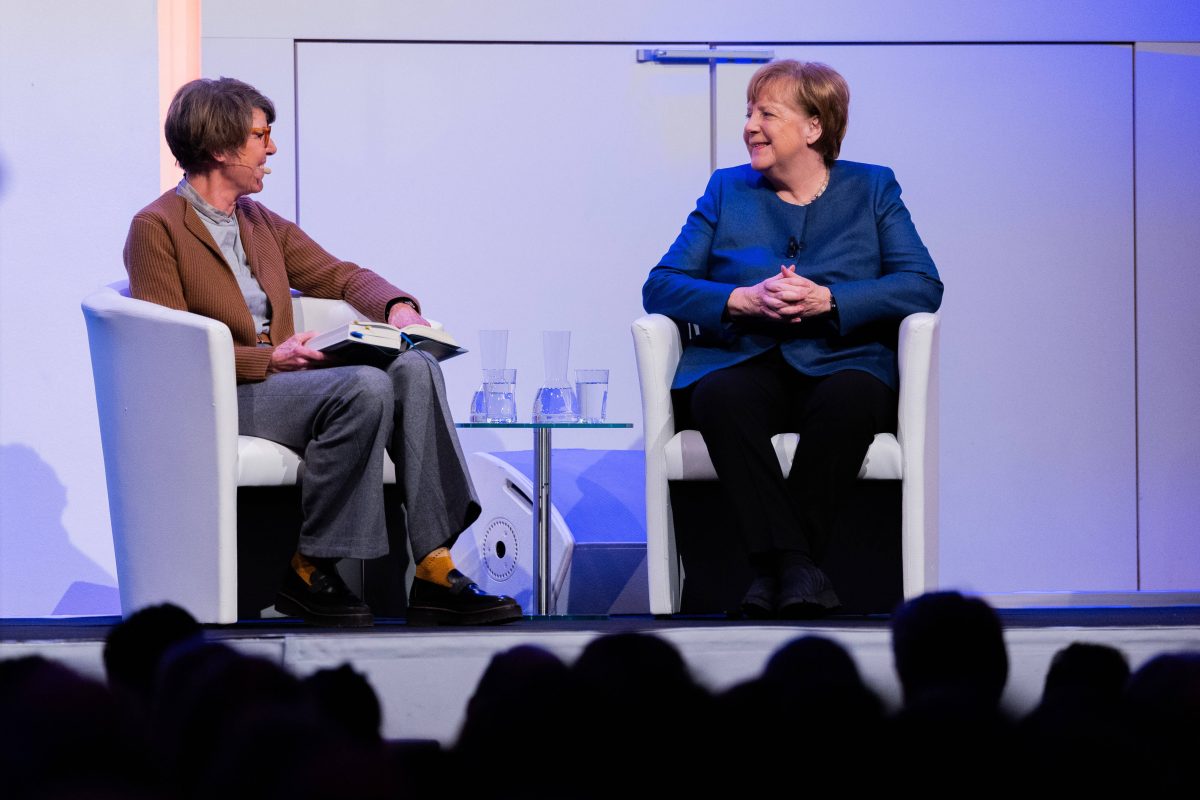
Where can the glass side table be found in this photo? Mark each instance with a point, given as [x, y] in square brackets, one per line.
[541, 487]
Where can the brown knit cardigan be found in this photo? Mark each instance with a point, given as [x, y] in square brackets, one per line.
[173, 261]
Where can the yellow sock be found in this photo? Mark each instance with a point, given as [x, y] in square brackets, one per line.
[304, 568]
[436, 566]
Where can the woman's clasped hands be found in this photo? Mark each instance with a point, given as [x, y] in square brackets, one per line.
[786, 297]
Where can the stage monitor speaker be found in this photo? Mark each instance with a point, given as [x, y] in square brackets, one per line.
[498, 550]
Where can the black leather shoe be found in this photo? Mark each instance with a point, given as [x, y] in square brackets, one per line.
[806, 592]
[328, 602]
[463, 603]
[759, 601]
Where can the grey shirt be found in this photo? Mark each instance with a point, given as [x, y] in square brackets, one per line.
[225, 232]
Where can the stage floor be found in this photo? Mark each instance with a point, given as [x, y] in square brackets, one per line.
[424, 676]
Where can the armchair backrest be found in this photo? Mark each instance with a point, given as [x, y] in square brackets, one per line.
[316, 314]
[167, 401]
[164, 380]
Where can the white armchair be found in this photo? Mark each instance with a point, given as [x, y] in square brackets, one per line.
[167, 401]
[910, 456]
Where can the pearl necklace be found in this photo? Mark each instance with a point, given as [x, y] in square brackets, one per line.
[821, 191]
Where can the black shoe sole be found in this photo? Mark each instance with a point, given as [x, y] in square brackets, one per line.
[286, 604]
[823, 605]
[429, 616]
[756, 611]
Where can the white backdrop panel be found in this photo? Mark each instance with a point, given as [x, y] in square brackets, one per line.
[1168, 282]
[1016, 163]
[80, 73]
[709, 20]
[269, 66]
[527, 187]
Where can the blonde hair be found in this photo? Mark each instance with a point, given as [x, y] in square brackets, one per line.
[814, 88]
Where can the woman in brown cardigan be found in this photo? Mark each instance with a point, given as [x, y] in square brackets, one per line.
[205, 247]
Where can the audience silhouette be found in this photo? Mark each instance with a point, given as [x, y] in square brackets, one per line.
[134, 648]
[1161, 718]
[1076, 726]
[952, 664]
[518, 708]
[183, 717]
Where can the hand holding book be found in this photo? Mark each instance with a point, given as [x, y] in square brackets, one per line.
[377, 343]
[295, 354]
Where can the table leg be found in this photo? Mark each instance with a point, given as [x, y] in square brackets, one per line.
[541, 519]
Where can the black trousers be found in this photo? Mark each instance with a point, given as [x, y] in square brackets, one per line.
[738, 409]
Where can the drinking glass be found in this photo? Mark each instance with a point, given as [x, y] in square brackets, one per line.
[555, 400]
[500, 393]
[493, 353]
[591, 389]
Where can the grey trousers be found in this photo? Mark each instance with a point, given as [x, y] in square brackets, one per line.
[341, 419]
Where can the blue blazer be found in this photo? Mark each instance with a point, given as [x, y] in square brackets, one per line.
[857, 239]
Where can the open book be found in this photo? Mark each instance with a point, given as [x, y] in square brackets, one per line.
[377, 343]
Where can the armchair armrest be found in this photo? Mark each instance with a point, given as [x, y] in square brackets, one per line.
[657, 347]
[917, 432]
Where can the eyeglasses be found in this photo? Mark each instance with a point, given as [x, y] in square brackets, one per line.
[265, 133]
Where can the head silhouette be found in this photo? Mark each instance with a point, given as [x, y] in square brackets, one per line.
[949, 646]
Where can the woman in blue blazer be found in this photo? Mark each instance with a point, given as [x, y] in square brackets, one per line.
[797, 268]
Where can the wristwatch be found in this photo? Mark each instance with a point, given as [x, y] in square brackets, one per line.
[408, 301]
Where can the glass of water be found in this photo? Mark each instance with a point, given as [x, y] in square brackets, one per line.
[496, 400]
[555, 401]
[591, 389]
[493, 351]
